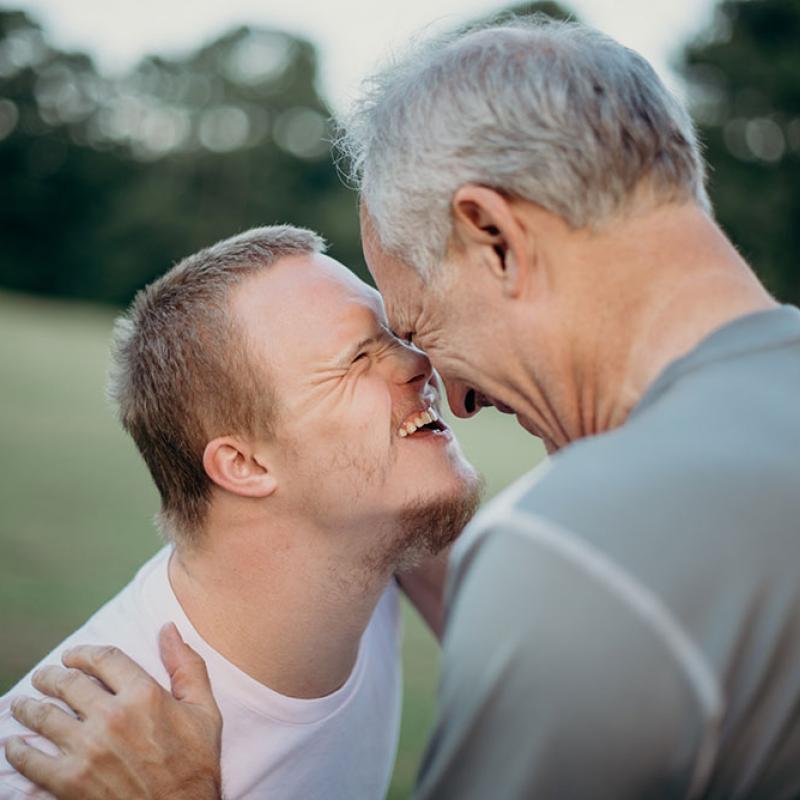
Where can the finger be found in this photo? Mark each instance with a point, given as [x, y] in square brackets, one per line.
[108, 664]
[37, 767]
[187, 670]
[171, 646]
[44, 718]
[77, 690]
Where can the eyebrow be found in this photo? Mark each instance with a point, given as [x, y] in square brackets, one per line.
[353, 350]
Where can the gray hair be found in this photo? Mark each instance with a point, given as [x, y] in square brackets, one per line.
[182, 373]
[552, 112]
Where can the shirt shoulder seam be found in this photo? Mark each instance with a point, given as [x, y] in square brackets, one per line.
[678, 369]
[647, 607]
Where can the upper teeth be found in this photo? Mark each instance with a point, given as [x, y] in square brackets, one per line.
[423, 418]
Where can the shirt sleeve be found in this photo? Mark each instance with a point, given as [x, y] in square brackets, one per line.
[554, 686]
[12, 784]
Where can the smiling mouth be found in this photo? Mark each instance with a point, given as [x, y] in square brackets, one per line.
[426, 421]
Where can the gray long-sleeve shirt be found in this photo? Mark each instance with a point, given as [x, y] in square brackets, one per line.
[625, 622]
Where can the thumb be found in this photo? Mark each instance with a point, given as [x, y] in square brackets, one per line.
[187, 670]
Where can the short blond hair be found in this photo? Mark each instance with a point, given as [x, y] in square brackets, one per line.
[182, 374]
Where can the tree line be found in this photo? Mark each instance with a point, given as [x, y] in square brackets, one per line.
[105, 182]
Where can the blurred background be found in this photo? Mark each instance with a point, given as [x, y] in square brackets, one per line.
[132, 135]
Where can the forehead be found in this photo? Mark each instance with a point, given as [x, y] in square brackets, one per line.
[400, 285]
[303, 308]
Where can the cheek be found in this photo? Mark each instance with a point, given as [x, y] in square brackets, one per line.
[372, 424]
[367, 409]
[357, 445]
[449, 363]
[471, 354]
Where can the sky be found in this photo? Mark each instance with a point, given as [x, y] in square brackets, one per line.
[352, 35]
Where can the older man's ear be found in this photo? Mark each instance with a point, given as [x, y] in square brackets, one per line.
[238, 467]
[488, 223]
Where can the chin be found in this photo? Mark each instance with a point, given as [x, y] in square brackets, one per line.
[428, 524]
[549, 445]
[527, 424]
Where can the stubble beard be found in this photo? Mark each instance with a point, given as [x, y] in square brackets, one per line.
[426, 527]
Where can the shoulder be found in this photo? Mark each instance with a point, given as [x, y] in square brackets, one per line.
[578, 561]
[642, 489]
[602, 480]
[530, 581]
[549, 643]
[125, 621]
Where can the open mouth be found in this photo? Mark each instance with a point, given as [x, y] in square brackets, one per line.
[422, 422]
[436, 428]
[436, 425]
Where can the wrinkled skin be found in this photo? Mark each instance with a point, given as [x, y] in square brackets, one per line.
[123, 745]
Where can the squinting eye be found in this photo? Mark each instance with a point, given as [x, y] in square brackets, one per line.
[359, 357]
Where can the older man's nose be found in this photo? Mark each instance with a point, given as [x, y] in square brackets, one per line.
[463, 399]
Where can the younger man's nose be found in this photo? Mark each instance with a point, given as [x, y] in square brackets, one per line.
[414, 367]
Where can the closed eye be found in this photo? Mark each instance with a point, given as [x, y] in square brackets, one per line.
[359, 357]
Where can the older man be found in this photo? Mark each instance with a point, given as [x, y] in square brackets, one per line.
[625, 623]
[297, 449]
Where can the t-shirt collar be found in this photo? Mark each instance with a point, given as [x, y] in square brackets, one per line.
[761, 330]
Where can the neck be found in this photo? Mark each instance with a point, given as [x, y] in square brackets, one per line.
[653, 288]
[276, 603]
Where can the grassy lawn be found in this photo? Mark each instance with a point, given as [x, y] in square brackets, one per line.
[77, 502]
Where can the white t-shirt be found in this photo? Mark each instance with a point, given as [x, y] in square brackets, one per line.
[339, 747]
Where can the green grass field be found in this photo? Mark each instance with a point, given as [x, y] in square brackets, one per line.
[76, 502]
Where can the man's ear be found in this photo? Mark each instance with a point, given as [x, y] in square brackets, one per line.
[484, 218]
[237, 467]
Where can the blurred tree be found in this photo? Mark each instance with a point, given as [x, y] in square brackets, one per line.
[744, 82]
[52, 191]
[106, 183]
